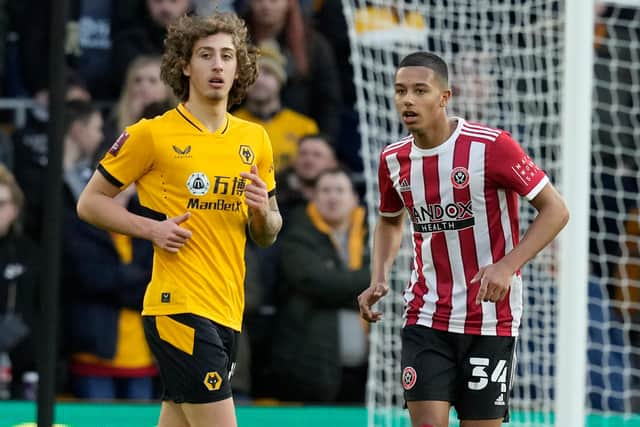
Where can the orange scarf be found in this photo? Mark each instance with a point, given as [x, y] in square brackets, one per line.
[356, 233]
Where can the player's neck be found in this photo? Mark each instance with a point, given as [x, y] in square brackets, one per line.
[209, 113]
[435, 135]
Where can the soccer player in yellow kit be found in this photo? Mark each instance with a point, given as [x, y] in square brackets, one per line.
[202, 176]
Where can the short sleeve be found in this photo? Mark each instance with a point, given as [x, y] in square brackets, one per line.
[390, 202]
[511, 168]
[130, 156]
[265, 164]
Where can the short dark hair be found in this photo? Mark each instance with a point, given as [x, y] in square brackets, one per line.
[428, 60]
[77, 110]
[318, 135]
[74, 79]
[338, 170]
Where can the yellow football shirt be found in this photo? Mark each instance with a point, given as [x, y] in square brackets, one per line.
[178, 166]
[285, 130]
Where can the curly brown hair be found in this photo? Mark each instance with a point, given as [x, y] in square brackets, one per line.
[184, 33]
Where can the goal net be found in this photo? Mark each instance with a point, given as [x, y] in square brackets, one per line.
[506, 71]
[614, 289]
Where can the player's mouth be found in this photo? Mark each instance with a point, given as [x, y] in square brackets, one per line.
[409, 117]
[216, 82]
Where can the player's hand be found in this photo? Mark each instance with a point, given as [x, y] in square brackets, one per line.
[255, 192]
[168, 234]
[368, 298]
[495, 281]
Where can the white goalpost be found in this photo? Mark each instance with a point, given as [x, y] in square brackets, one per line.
[526, 66]
[573, 258]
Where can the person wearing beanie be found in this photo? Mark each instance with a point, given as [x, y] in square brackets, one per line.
[264, 106]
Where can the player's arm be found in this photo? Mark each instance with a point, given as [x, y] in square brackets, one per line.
[552, 216]
[97, 206]
[386, 243]
[265, 220]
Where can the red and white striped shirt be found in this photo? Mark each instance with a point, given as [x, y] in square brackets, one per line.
[462, 199]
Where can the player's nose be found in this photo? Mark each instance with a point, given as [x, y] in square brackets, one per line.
[216, 63]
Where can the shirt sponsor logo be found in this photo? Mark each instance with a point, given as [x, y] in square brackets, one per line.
[213, 205]
[198, 183]
[227, 185]
[117, 146]
[436, 217]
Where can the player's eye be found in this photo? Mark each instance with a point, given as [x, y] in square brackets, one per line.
[400, 91]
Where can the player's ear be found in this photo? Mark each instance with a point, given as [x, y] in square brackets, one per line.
[445, 97]
[186, 70]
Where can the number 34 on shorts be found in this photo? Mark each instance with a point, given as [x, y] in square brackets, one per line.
[480, 378]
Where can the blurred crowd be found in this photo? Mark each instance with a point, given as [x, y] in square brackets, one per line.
[301, 324]
[304, 98]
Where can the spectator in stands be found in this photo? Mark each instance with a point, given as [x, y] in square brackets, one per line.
[31, 153]
[296, 183]
[141, 87]
[263, 106]
[473, 86]
[313, 84]
[87, 44]
[18, 283]
[319, 349]
[83, 135]
[147, 37]
[89, 39]
[295, 189]
[106, 275]
[329, 20]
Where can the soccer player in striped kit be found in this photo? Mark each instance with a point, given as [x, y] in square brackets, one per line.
[459, 184]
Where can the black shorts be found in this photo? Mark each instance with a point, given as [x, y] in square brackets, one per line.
[195, 356]
[472, 372]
